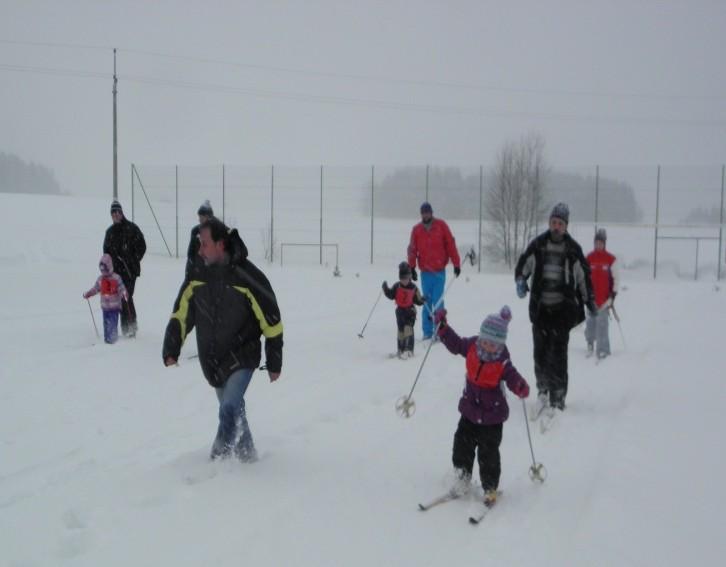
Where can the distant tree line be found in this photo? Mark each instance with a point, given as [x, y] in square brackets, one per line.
[17, 176]
[455, 195]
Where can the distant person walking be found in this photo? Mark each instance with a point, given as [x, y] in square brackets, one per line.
[112, 290]
[560, 278]
[194, 260]
[430, 248]
[231, 304]
[604, 273]
[125, 243]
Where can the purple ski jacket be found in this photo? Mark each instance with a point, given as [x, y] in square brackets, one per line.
[483, 406]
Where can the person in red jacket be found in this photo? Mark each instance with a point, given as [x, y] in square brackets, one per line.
[431, 247]
[604, 276]
[407, 296]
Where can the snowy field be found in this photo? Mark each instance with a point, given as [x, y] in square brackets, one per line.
[103, 451]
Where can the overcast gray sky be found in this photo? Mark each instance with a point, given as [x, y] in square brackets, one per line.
[384, 82]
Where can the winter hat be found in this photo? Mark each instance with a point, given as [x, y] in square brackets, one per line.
[561, 211]
[106, 262]
[601, 234]
[404, 270]
[206, 209]
[494, 327]
[116, 207]
[426, 207]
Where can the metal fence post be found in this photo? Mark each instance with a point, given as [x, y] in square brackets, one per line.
[597, 192]
[223, 192]
[657, 219]
[427, 183]
[272, 214]
[132, 192]
[720, 228]
[373, 181]
[481, 203]
[321, 215]
[176, 205]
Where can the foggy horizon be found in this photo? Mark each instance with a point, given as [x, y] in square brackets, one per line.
[377, 83]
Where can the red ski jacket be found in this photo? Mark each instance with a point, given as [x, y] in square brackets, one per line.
[432, 248]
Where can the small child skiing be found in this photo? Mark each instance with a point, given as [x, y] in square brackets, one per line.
[112, 290]
[483, 404]
[604, 275]
[406, 295]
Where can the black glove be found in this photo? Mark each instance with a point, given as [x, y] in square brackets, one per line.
[414, 275]
[457, 271]
[613, 295]
[384, 286]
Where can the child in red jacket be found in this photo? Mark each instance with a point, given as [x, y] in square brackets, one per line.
[604, 276]
[483, 405]
[406, 295]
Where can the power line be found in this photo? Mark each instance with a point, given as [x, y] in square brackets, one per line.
[351, 101]
[384, 79]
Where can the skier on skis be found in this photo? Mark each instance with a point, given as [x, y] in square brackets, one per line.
[431, 247]
[604, 273]
[406, 295]
[560, 288]
[483, 405]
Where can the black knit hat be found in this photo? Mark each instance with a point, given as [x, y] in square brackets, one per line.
[206, 209]
[404, 270]
[601, 234]
[116, 207]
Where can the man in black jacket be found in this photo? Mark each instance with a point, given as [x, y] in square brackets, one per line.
[232, 304]
[125, 243]
[561, 287]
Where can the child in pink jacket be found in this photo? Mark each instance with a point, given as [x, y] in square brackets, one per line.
[112, 290]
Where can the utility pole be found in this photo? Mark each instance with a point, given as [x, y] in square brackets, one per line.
[115, 142]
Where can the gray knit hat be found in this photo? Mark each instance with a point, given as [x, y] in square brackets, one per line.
[561, 211]
[206, 209]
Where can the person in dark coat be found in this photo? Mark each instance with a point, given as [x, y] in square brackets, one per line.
[561, 288]
[194, 260]
[483, 405]
[125, 243]
[231, 303]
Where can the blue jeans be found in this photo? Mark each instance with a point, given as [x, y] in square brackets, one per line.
[233, 432]
[432, 286]
[110, 326]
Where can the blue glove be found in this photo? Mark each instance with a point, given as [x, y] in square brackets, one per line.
[522, 288]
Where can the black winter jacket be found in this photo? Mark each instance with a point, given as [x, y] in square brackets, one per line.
[577, 289]
[125, 243]
[231, 305]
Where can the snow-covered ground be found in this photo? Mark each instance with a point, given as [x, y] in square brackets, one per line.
[103, 451]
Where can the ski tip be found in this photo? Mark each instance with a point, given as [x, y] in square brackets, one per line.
[474, 521]
[422, 508]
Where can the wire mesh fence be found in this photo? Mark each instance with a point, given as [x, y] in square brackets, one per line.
[664, 219]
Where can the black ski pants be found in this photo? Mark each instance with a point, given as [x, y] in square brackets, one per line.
[483, 441]
[551, 341]
[128, 310]
[405, 319]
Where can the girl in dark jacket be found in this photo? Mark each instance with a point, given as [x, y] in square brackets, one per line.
[483, 405]
[407, 296]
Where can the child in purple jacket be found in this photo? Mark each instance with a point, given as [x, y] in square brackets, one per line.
[112, 290]
[483, 405]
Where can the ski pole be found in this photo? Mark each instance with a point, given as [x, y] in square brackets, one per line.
[360, 335]
[537, 471]
[620, 328]
[92, 317]
[405, 406]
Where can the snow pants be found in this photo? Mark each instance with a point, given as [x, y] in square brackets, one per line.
[551, 341]
[233, 433]
[110, 326]
[405, 319]
[483, 441]
[432, 287]
[597, 331]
